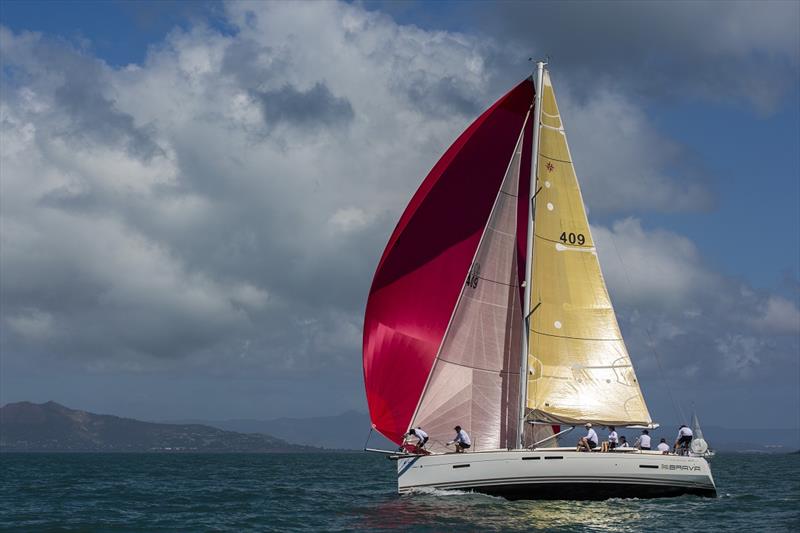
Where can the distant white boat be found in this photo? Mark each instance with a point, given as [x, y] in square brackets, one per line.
[489, 310]
[699, 446]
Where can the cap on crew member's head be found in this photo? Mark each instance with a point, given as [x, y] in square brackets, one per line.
[588, 424]
[457, 428]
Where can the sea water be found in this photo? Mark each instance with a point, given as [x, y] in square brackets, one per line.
[352, 492]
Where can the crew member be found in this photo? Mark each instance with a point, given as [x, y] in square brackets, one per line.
[461, 441]
[421, 435]
[589, 442]
[663, 446]
[623, 442]
[613, 439]
[643, 442]
[684, 438]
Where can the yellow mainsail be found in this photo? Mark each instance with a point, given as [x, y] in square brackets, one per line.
[579, 368]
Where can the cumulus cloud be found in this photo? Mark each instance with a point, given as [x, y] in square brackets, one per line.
[624, 163]
[740, 354]
[233, 190]
[702, 325]
[778, 315]
[32, 323]
[348, 219]
[222, 206]
[657, 267]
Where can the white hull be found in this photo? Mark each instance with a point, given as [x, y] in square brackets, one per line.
[559, 473]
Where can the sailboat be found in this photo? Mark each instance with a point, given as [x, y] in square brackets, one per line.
[488, 310]
[699, 447]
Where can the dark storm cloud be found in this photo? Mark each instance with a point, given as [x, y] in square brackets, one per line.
[95, 117]
[310, 109]
[253, 64]
[719, 51]
[70, 200]
[80, 92]
[110, 296]
[436, 96]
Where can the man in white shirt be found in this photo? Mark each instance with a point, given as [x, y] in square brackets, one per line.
[461, 441]
[643, 442]
[613, 439]
[684, 439]
[421, 435]
[663, 446]
[623, 442]
[589, 442]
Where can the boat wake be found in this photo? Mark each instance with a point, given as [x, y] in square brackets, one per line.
[430, 491]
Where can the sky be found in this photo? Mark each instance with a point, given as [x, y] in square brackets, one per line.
[194, 195]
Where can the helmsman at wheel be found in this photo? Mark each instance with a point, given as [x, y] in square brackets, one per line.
[684, 438]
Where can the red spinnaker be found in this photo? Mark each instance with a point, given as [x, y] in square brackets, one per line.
[425, 263]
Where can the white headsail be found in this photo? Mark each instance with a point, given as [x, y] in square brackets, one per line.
[475, 379]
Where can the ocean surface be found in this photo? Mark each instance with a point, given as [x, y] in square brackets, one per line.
[352, 492]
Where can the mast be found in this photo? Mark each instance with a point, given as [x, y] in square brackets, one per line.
[526, 306]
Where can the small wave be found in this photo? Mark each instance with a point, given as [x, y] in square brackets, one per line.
[748, 497]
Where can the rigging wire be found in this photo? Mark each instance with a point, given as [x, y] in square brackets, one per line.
[675, 404]
[371, 429]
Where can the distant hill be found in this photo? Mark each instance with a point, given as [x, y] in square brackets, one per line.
[346, 431]
[26, 426]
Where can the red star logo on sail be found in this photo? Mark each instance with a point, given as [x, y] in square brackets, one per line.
[550, 166]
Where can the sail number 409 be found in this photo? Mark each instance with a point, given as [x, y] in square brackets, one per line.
[573, 238]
